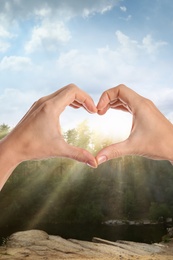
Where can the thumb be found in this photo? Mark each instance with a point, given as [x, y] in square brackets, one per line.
[79, 154]
[113, 151]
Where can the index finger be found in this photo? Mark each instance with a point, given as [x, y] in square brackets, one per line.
[122, 93]
[71, 94]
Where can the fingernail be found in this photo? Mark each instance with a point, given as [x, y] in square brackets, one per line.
[91, 164]
[102, 159]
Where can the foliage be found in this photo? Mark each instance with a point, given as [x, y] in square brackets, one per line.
[166, 239]
[159, 211]
[4, 129]
[62, 190]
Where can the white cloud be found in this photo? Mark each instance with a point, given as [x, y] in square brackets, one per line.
[15, 63]
[4, 33]
[150, 46]
[43, 12]
[14, 104]
[4, 39]
[104, 68]
[93, 72]
[123, 8]
[22, 9]
[49, 19]
[164, 100]
[45, 25]
[101, 9]
[47, 36]
[4, 46]
[129, 63]
[124, 40]
[130, 47]
[106, 9]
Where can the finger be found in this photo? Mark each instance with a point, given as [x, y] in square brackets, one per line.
[77, 104]
[72, 94]
[64, 97]
[114, 151]
[122, 93]
[78, 154]
[104, 110]
[118, 105]
[74, 106]
[122, 108]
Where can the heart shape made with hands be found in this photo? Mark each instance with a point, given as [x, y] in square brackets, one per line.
[119, 98]
[112, 127]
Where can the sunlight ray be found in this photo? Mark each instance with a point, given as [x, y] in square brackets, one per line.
[53, 197]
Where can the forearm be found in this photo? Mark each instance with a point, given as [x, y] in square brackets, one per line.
[5, 174]
[8, 162]
[167, 140]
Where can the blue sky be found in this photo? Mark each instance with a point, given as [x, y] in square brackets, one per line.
[45, 45]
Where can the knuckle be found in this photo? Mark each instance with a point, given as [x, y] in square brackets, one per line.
[122, 86]
[40, 101]
[80, 155]
[72, 86]
[114, 152]
[146, 102]
[47, 107]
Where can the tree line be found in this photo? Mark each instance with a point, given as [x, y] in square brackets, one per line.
[61, 190]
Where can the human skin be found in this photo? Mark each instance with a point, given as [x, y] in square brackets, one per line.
[151, 133]
[38, 134]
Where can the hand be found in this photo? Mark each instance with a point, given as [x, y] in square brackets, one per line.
[151, 134]
[38, 134]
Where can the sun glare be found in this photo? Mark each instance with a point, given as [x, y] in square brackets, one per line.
[54, 195]
[114, 124]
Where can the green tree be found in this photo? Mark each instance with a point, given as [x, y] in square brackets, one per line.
[84, 135]
[71, 136]
[129, 204]
[159, 211]
[4, 129]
